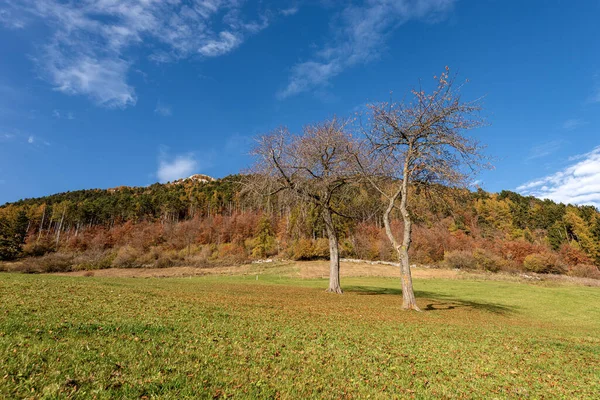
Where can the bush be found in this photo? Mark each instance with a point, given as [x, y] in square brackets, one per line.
[585, 271]
[200, 259]
[53, 262]
[543, 263]
[321, 248]
[488, 261]
[301, 249]
[428, 246]
[306, 249]
[228, 253]
[459, 259]
[93, 260]
[518, 250]
[164, 261]
[39, 248]
[346, 249]
[127, 257]
[367, 240]
[573, 255]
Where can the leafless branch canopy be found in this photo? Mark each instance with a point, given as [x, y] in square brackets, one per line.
[314, 165]
[423, 141]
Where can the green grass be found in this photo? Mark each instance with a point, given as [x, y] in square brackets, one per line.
[220, 336]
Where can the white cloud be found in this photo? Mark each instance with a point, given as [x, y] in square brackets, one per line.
[104, 81]
[360, 34]
[179, 167]
[578, 183]
[89, 47]
[572, 124]
[30, 140]
[163, 110]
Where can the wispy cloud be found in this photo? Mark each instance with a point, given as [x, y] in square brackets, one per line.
[17, 137]
[238, 144]
[223, 44]
[545, 149]
[10, 18]
[58, 114]
[5, 137]
[170, 169]
[89, 47]
[289, 11]
[360, 33]
[37, 142]
[579, 183]
[163, 110]
[595, 97]
[103, 80]
[572, 124]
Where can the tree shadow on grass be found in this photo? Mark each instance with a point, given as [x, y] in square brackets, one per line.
[435, 301]
[372, 290]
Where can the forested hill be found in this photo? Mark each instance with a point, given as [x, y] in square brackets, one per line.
[213, 220]
[171, 201]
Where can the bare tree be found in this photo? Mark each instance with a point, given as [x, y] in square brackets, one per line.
[420, 143]
[313, 167]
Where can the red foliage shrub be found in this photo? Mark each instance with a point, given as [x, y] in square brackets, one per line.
[572, 255]
[428, 244]
[99, 239]
[122, 234]
[518, 250]
[231, 253]
[367, 242]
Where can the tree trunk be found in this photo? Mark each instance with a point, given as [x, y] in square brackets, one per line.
[41, 225]
[334, 254]
[408, 295]
[60, 227]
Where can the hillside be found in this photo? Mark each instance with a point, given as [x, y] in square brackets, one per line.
[200, 221]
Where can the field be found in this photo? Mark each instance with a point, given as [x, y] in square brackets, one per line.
[274, 334]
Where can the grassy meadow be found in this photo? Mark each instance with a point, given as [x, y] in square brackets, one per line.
[282, 337]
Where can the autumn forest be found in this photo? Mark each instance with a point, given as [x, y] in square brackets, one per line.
[392, 185]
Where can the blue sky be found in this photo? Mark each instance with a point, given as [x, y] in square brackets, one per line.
[106, 93]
